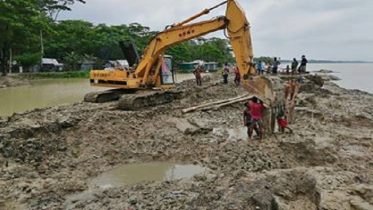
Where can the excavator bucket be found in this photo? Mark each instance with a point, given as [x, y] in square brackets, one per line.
[271, 91]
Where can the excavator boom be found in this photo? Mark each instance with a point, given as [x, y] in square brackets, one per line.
[239, 36]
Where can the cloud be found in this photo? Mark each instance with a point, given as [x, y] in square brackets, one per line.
[332, 29]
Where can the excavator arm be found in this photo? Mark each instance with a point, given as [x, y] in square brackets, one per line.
[167, 38]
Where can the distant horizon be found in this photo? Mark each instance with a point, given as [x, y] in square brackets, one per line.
[329, 61]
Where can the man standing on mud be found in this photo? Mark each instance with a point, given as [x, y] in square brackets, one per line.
[303, 64]
[197, 72]
[237, 76]
[256, 112]
[294, 66]
[247, 120]
[225, 74]
[275, 65]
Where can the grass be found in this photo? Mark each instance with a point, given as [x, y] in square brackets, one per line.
[45, 75]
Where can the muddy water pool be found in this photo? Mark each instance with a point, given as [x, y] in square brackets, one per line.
[135, 173]
[131, 174]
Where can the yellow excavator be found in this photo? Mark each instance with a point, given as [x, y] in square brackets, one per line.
[149, 78]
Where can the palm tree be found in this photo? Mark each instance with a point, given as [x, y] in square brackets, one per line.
[72, 59]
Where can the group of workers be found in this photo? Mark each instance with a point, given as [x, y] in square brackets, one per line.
[225, 73]
[237, 75]
[254, 109]
[253, 118]
[272, 67]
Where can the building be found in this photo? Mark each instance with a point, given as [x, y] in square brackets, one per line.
[50, 64]
[211, 66]
[190, 66]
[87, 65]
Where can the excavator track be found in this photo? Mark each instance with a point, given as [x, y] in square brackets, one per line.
[147, 99]
[106, 96]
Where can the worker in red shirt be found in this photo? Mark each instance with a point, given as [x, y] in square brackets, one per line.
[247, 120]
[256, 111]
[282, 122]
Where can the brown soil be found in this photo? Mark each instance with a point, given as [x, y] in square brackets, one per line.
[12, 82]
[47, 154]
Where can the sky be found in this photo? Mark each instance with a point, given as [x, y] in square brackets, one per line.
[319, 29]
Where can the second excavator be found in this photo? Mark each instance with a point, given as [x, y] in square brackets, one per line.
[150, 78]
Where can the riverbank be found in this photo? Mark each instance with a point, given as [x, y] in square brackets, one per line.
[55, 75]
[49, 155]
[13, 81]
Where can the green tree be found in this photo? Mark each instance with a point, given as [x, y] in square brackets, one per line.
[72, 60]
[53, 7]
[21, 23]
[68, 36]
[180, 52]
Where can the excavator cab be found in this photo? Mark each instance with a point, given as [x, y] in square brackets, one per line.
[166, 72]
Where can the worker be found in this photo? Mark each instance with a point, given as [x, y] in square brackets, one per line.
[282, 122]
[287, 71]
[268, 70]
[256, 111]
[237, 76]
[275, 64]
[303, 64]
[294, 66]
[197, 72]
[247, 120]
[262, 67]
[225, 74]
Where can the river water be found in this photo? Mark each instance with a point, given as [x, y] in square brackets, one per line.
[52, 92]
[352, 75]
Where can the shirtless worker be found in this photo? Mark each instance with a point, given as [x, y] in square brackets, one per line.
[237, 76]
[247, 120]
[197, 72]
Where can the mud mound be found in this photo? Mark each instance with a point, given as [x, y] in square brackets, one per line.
[233, 156]
[283, 190]
[13, 82]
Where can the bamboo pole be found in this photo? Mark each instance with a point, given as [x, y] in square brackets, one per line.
[217, 104]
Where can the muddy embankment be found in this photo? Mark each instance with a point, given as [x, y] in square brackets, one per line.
[48, 155]
[13, 81]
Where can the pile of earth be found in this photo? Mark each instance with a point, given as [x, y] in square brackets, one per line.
[49, 154]
[10, 81]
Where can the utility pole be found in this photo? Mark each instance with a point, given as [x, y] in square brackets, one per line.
[42, 49]
[10, 60]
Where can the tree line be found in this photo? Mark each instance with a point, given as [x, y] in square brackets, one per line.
[29, 30]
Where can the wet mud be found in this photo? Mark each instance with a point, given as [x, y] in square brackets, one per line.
[50, 156]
